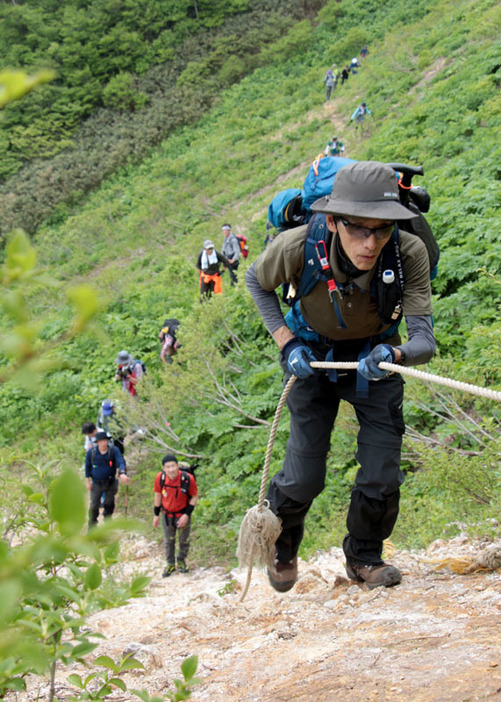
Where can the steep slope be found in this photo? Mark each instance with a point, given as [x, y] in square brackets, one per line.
[434, 638]
[434, 97]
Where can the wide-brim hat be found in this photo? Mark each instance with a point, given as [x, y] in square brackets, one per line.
[208, 244]
[102, 435]
[123, 358]
[364, 189]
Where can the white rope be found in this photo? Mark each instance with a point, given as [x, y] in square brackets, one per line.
[421, 375]
[259, 529]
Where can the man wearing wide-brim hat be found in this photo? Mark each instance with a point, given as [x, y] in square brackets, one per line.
[102, 462]
[372, 273]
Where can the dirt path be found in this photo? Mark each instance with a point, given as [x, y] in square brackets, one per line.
[433, 638]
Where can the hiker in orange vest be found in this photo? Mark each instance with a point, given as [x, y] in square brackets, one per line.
[209, 268]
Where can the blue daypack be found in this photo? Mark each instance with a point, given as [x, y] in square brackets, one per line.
[320, 179]
[292, 207]
[281, 208]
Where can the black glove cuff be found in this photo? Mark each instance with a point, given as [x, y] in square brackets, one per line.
[188, 509]
[156, 510]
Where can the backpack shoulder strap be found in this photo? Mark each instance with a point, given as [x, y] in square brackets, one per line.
[318, 238]
[388, 283]
[185, 482]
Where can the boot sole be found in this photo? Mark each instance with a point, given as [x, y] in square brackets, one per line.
[281, 585]
[390, 580]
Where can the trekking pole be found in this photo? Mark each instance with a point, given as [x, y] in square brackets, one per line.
[126, 501]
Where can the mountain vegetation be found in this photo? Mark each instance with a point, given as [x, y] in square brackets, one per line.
[128, 73]
[226, 104]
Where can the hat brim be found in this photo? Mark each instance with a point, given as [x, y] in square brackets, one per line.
[123, 360]
[375, 210]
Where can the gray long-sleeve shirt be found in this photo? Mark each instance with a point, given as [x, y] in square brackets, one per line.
[231, 247]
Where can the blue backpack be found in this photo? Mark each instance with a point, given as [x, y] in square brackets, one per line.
[281, 208]
[291, 208]
[320, 179]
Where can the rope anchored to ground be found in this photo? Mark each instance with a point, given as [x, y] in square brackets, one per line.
[260, 528]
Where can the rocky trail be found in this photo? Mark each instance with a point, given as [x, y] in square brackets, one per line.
[435, 637]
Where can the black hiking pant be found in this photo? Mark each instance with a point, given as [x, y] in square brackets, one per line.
[170, 528]
[100, 488]
[313, 405]
[232, 270]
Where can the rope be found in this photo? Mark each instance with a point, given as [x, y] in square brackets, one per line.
[258, 531]
[421, 375]
[271, 440]
[260, 527]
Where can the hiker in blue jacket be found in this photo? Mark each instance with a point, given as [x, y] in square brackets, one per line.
[101, 464]
[359, 114]
[345, 317]
[354, 64]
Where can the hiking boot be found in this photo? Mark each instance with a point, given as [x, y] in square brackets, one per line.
[170, 568]
[283, 576]
[380, 575]
[181, 566]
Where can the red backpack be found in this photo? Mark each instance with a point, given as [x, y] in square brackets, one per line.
[242, 240]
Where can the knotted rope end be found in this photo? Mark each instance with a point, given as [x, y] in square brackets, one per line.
[259, 531]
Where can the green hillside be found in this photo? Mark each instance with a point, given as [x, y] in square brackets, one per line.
[432, 82]
[126, 74]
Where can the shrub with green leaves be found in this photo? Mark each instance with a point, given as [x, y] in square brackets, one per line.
[51, 574]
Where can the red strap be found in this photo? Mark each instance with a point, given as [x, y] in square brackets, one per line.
[324, 262]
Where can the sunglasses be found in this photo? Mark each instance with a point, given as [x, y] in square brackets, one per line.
[359, 232]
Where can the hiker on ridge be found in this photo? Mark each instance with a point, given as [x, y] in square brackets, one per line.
[176, 495]
[167, 337]
[101, 464]
[209, 270]
[129, 371]
[334, 147]
[354, 64]
[108, 420]
[359, 114]
[330, 83]
[89, 430]
[340, 319]
[231, 249]
[345, 74]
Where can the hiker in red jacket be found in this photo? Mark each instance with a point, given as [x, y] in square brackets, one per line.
[176, 495]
